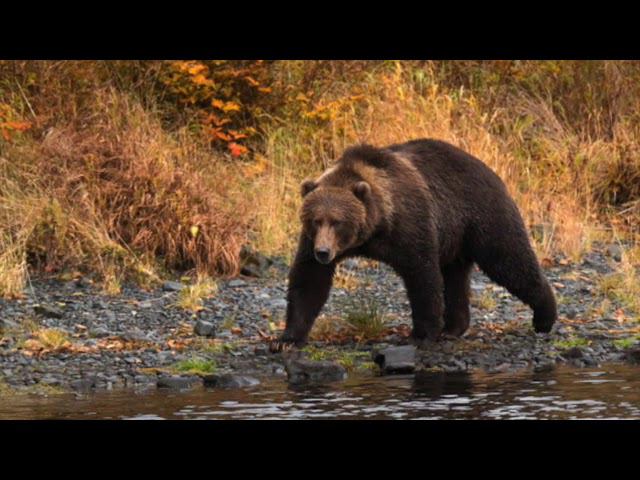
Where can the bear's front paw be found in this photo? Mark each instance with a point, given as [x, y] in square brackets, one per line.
[283, 344]
[421, 342]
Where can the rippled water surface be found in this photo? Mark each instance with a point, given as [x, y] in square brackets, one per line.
[609, 392]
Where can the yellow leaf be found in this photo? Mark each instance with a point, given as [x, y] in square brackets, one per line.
[194, 231]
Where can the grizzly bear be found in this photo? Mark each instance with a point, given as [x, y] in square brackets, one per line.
[430, 211]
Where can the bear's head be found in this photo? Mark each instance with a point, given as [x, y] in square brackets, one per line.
[336, 215]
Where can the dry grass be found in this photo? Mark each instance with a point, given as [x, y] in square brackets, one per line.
[101, 184]
[52, 338]
[484, 301]
[191, 297]
[120, 197]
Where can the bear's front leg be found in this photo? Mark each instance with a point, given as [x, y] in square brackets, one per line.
[309, 286]
[425, 291]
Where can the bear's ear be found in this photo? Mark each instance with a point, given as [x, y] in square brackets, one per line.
[308, 186]
[362, 190]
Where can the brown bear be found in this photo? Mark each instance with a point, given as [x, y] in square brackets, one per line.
[430, 211]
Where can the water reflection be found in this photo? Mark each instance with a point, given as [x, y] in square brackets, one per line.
[611, 392]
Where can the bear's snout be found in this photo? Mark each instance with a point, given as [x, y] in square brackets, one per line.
[326, 244]
[323, 255]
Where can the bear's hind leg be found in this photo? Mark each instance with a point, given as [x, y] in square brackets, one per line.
[456, 297]
[517, 270]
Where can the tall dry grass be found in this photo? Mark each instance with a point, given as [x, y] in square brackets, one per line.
[118, 196]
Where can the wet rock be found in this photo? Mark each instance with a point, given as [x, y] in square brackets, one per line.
[205, 329]
[632, 355]
[573, 353]
[172, 286]
[177, 382]
[227, 380]
[84, 384]
[396, 359]
[545, 366]
[301, 371]
[48, 311]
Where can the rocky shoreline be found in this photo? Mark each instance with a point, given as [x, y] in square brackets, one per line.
[142, 339]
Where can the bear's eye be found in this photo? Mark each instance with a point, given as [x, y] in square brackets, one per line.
[317, 223]
[335, 223]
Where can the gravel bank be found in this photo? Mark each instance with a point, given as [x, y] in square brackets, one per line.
[141, 339]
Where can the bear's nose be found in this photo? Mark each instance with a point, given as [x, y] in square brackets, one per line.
[323, 255]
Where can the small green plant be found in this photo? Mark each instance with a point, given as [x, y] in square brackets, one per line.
[195, 366]
[350, 360]
[571, 343]
[214, 347]
[365, 319]
[626, 342]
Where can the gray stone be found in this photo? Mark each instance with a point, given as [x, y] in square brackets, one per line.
[237, 283]
[172, 286]
[251, 271]
[6, 324]
[134, 335]
[302, 371]
[227, 380]
[205, 329]
[48, 311]
[396, 359]
[615, 252]
[278, 303]
[50, 380]
[571, 313]
[254, 264]
[99, 332]
[178, 383]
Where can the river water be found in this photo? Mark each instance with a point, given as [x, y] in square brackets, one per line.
[607, 392]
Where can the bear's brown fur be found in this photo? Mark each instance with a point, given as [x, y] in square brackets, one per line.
[430, 211]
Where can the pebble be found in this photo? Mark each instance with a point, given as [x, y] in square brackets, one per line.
[48, 311]
[172, 286]
[205, 329]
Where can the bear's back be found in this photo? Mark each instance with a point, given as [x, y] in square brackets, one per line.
[450, 169]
